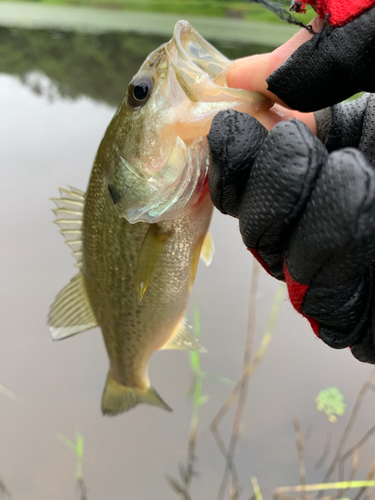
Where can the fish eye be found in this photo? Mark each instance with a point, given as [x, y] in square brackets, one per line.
[139, 91]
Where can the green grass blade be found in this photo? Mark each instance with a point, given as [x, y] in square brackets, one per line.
[256, 488]
[66, 441]
[342, 485]
[79, 447]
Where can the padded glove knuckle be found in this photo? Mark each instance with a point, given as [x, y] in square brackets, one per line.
[234, 140]
[337, 227]
[278, 188]
[333, 246]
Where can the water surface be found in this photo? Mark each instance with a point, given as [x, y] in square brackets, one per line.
[58, 92]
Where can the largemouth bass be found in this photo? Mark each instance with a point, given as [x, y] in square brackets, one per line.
[138, 231]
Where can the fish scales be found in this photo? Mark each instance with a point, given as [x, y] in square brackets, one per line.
[138, 231]
[111, 247]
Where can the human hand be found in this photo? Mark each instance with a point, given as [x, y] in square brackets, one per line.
[306, 212]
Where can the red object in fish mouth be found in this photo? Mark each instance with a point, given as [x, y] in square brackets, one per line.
[340, 12]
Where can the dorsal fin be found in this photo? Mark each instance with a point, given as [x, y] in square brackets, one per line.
[69, 216]
[71, 312]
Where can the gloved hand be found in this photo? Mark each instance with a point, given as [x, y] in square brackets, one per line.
[307, 210]
[331, 66]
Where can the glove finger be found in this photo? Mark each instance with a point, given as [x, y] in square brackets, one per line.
[333, 65]
[234, 140]
[364, 349]
[331, 250]
[277, 191]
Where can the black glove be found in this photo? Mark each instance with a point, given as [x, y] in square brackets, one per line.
[307, 212]
[330, 67]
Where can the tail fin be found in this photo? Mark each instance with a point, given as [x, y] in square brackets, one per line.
[118, 398]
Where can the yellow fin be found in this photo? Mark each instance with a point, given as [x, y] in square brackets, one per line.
[71, 312]
[118, 398]
[194, 265]
[69, 216]
[149, 255]
[208, 249]
[184, 339]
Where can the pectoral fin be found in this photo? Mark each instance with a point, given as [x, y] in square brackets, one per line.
[118, 398]
[184, 339]
[208, 249]
[71, 312]
[149, 255]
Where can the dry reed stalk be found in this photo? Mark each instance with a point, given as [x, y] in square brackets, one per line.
[248, 371]
[348, 428]
[82, 488]
[346, 455]
[229, 466]
[301, 456]
[326, 450]
[353, 471]
[370, 475]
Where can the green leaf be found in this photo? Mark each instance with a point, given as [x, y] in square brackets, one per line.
[331, 402]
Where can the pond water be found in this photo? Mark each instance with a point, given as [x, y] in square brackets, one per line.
[58, 92]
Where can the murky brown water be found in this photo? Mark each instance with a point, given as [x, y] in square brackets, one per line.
[50, 129]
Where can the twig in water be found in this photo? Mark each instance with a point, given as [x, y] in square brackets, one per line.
[248, 372]
[187, 473]
[4, 490]
[301, 456]
[178, 488]
[82, 488]
[348, 428]
[370, 475]
[344, 457]
[327, 449]
[77, 449]
[353, 471]
[229, 467]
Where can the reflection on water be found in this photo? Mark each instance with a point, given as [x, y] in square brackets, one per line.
[52, 142]
[77, 64]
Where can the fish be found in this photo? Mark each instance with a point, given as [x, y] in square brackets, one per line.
[138, 231]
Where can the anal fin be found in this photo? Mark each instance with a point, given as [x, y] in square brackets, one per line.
[184, 339]
[118, 398]
[71, 312]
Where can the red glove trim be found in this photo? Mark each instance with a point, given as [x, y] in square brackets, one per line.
[297, 293]
[341, 11]
[259, 259]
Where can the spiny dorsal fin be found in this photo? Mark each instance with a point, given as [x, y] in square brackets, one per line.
[149, 255]
[184, 339]
[71, 312]
[208, 249]
[118, 398]
[69, 216]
